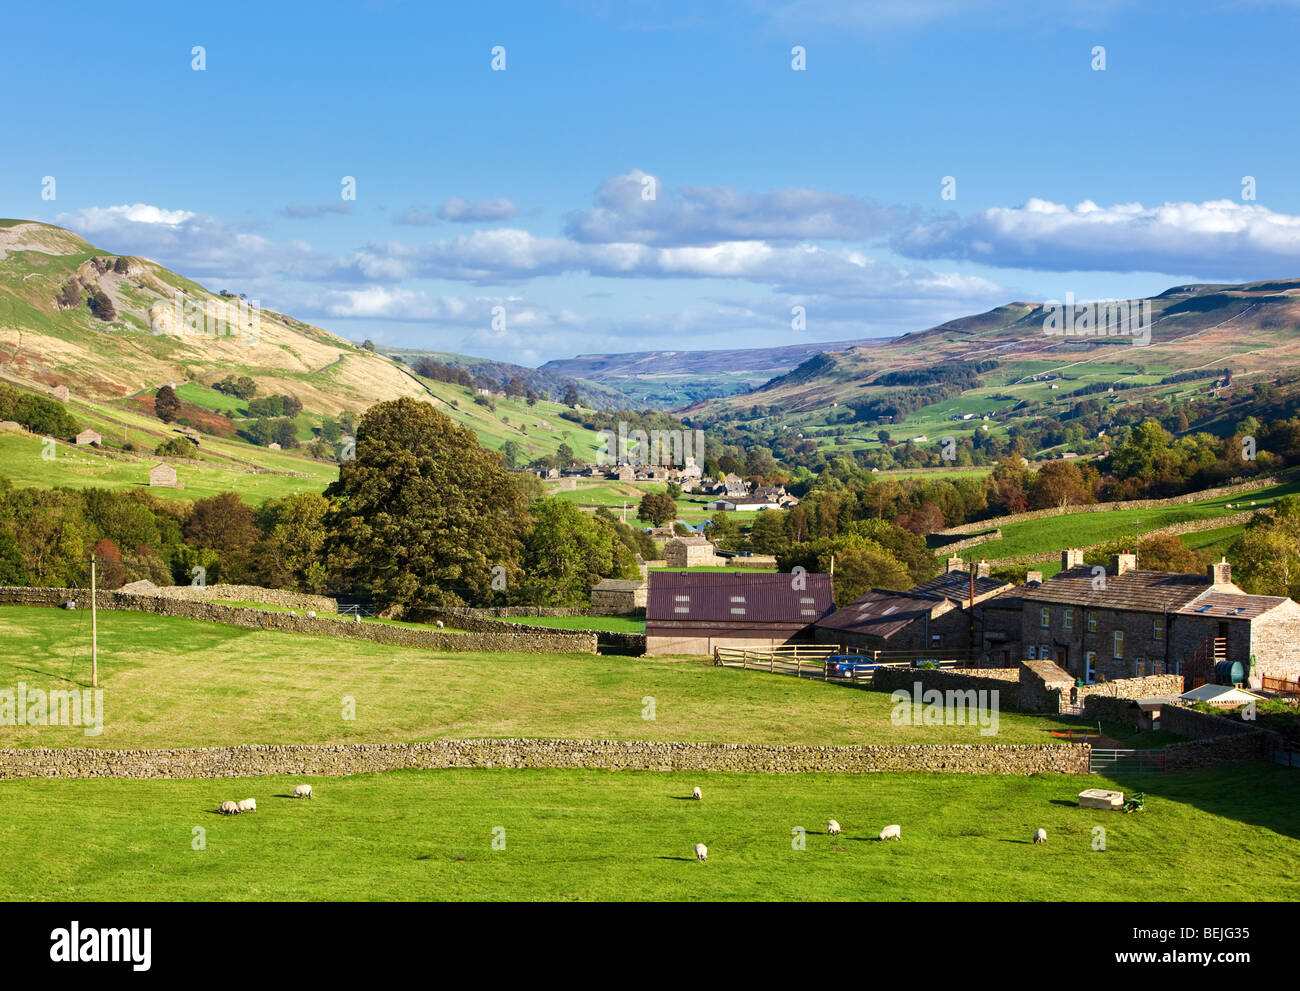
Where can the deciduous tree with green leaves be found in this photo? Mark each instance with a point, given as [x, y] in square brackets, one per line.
[423, 515]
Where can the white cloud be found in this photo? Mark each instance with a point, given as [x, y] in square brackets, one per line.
[637, 207]
[96, 218]
[462, 211]
[1215, 239]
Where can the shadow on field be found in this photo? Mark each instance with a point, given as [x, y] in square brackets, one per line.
[1258, 793]
[684, 860]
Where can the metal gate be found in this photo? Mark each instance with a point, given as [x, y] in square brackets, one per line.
[1103, 761]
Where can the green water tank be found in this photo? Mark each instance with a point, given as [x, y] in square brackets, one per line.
[1229, 673]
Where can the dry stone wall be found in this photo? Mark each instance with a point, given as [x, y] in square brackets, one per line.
[527, 640]
[613, 755]
[246, 593]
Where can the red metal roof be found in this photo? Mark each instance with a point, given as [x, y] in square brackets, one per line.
[719, 596]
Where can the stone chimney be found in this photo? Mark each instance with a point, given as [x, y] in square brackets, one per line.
[983, 569]
[956, 564]
[1033, 578]
[1219, 574]
[1124, 562]
[1071, 558]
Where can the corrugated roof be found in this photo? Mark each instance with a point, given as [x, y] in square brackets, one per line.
[880, 613]
[618, 585]
[743, 597]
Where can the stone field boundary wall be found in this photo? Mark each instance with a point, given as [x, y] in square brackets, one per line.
[1098, 507]
[527, 640]
[245, 593]
[612, 755]
[465, 620]
[1173, 530]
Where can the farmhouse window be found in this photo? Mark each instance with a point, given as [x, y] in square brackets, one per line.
[1119, 645]
[1045, 617]
[1158, 628]
[1069, 619]
[1092, 622]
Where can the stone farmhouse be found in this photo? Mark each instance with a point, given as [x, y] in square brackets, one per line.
[1124, 622]
[693, 612]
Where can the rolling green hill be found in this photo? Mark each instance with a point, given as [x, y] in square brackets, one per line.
[1196, 333]
[113, 329]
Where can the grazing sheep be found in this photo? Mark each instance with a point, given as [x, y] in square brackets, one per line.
[701, 852]
[891, 833]
[248, 805]
[302, 791]
[438, 624]
[832, 828]
[1040, 836]
[695, 794]
[229, 809]
[311, 613]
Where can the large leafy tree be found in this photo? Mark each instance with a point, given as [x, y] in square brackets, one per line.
[166, 404]
[423, 515]
[293, 528]
[861, 564]
[656, 508]
[567, 552]
[1266, 557]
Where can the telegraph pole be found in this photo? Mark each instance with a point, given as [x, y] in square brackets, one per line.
[94, 632]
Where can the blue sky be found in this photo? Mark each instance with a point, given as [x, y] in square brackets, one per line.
[772, 188]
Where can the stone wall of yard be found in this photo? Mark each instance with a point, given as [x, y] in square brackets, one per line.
[614, 755]
[1146, 687]
[1213, 739]
[1005, 681]
[516, 639]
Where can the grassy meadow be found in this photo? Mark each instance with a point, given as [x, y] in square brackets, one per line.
[172, 682]
[579, 835]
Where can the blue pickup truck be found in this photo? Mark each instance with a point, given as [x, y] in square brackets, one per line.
[849, 665]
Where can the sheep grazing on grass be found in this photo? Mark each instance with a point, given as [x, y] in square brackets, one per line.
[248, 805]
[696, 794]
[302, 791]
[891, 833]
[701, 852]
[438, 624]
[311, 613]
[228, 809]
[1040, 836]
[832, 828]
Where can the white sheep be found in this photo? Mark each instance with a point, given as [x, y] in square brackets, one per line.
[229, 809]
[248, 805]
[311, 613]
[357, 617]
[701, 852]
[438, 624]
[1040, 836]
[696, 794]
[892, 833]
[832, 828]
[302, 791]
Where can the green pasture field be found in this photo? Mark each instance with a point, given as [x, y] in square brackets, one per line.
[583, 835]
[171, 682]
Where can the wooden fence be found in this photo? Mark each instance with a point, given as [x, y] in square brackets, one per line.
[1281, 686]
[809, 661]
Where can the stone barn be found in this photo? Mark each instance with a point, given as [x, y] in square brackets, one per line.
[691, 552]
[693, 612]
[60, 393]
[617, 597]
[88, 436]
[164, 475]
